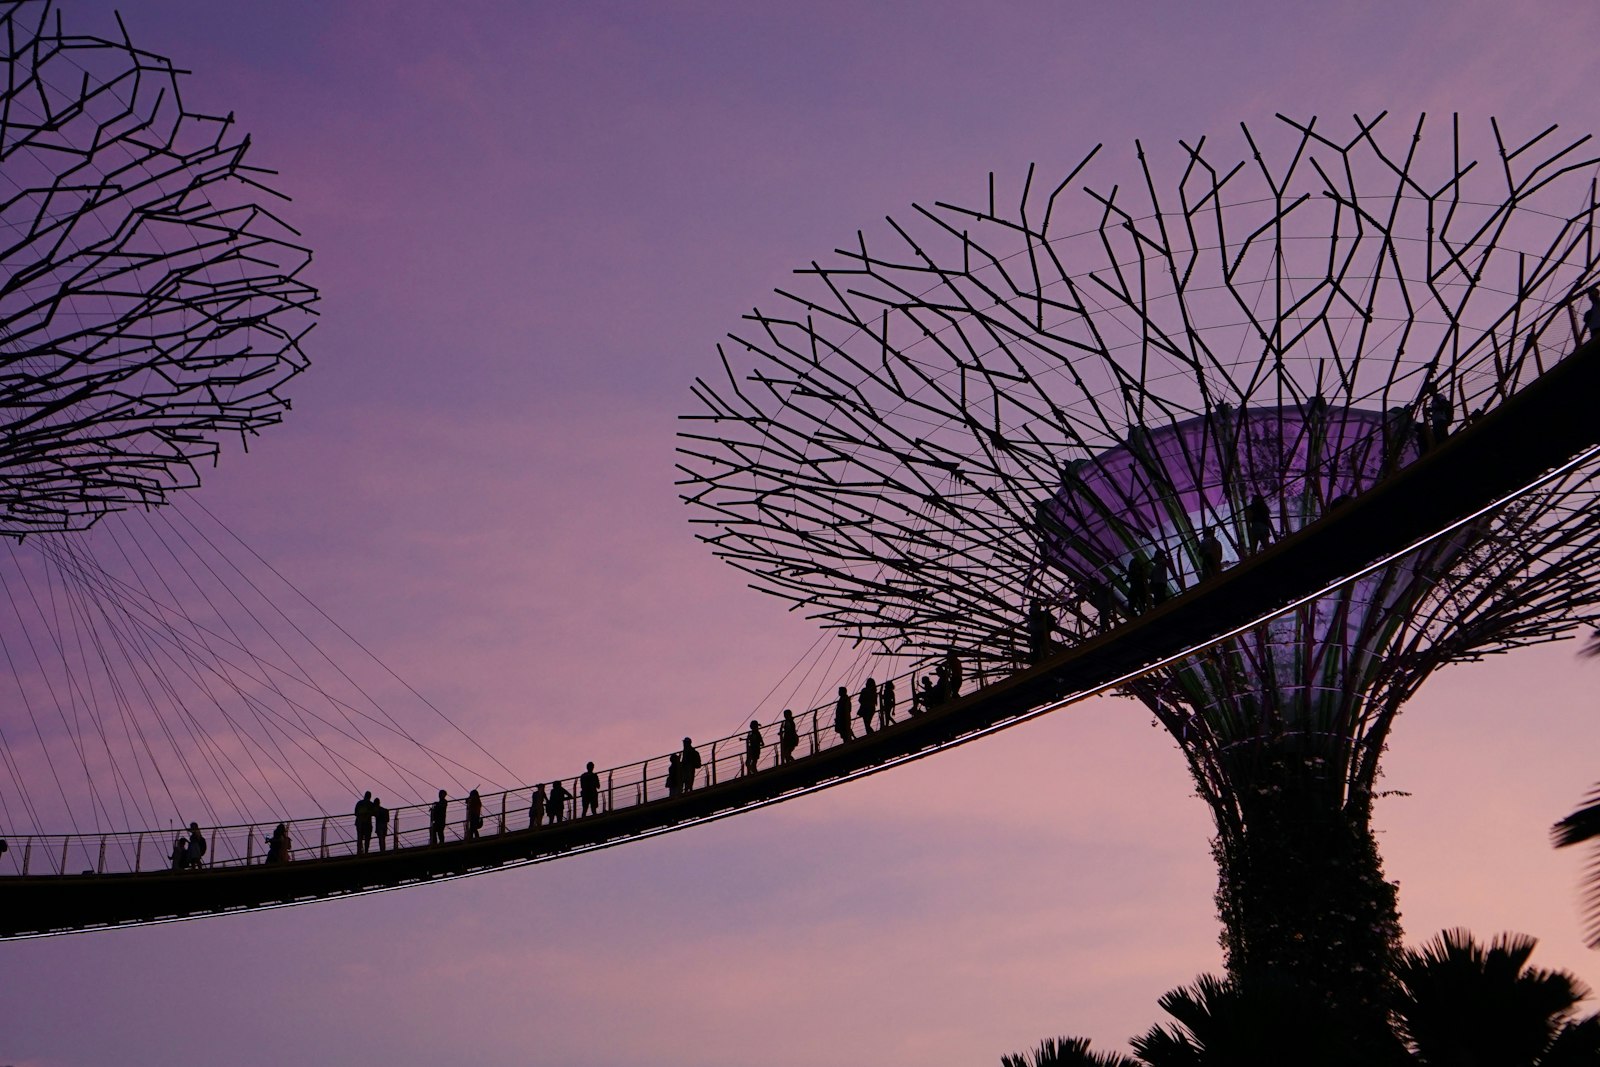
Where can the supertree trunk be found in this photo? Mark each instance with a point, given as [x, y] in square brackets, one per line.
[1302, 894]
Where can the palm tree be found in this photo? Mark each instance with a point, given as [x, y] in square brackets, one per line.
[1274, 1022]
[1455, 1004]
[1066, 1052]
[1458, 1003]
[1584, 825]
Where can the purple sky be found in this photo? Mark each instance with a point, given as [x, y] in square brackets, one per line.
[532, 222]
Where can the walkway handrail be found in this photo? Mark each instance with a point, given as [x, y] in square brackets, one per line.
[328, 836]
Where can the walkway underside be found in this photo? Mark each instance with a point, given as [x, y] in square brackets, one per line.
[1544, 427]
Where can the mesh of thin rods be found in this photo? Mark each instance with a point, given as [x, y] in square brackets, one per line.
[150, 306]
[878, 449]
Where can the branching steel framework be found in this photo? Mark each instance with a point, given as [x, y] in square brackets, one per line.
[987, 430]
[149, 305]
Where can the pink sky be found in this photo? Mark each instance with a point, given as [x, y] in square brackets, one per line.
[532, 223]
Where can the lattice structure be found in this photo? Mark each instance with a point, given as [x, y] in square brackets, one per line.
[989, 430]
[151, 307]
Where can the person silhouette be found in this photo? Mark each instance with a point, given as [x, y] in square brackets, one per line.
[674, 775]
[1441, 413]
[556, 806]
[1258, 523]
[1210, 555]
[867, 704]
[589, 790]
[688, 766]
[474, 820]
[886, 703]
[1138, 583]
[841, 716]
[536, 807]
[1160, 575]
[436, 817]
[1041, 631]
[788, 737]
[197, 846]
[180, 853]
[380, 823]
[364, 823]
[278, 844]
[952, 674]
[1591, 314]
[927, 697]
[752, 748]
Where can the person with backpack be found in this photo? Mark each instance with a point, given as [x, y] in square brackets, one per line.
[197, 846]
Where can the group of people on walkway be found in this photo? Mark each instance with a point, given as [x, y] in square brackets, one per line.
[189, 851]
[371, 816]
[1147, 580]
[553, 804]
[874, 705]
[439, 813]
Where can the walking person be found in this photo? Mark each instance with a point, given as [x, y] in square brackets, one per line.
[788, 737]
[841, 716]
[867, 705]
[364, 823]
[752, 748]
[886, 703]
[436, 817]
[589, 791]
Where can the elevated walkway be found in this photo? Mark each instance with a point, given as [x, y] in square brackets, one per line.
[93, 882]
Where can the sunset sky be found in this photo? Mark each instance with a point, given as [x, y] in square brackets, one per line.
[532, 223]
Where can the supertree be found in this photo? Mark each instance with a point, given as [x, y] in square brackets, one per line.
[152, 310]
[151, 306]
[997, 430]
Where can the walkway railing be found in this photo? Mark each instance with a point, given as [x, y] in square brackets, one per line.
[322, 837]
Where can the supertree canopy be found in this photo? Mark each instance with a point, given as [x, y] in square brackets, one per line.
[151, 306]
[992, 430]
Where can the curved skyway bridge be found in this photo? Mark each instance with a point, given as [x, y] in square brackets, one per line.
[52, 884]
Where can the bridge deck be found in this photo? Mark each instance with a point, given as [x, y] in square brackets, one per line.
[1545, 426]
